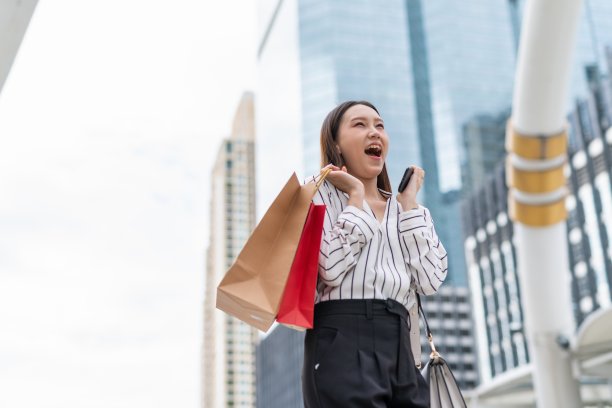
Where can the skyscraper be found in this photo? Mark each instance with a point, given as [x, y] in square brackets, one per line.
[228, 366]
[470, 67]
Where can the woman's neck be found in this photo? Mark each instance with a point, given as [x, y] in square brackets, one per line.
[371, 189]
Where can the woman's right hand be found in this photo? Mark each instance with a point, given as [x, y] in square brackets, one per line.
[348, 183]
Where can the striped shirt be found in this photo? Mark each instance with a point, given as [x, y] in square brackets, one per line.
[362, 258]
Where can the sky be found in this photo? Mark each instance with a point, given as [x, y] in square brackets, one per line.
[109, 123]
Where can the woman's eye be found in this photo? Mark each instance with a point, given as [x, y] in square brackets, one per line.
[380, 125]
[359, 124]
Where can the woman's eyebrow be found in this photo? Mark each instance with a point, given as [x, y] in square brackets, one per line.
[366, 119]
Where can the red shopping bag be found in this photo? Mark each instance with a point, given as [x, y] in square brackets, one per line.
[297, 305]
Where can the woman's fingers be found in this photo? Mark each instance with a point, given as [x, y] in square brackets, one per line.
[416, 181]
[419, 173]
[344, 180]
[330, 166]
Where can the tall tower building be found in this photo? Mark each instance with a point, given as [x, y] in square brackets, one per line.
[228, 366]
[470, 67]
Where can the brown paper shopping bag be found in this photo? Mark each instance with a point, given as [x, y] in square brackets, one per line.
[253, 286]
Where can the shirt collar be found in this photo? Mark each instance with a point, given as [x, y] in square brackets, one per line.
[385, 193]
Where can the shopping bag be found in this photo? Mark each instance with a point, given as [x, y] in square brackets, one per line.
[252, 288]
[297, 305]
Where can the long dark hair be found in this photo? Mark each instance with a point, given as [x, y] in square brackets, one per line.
[329, 137]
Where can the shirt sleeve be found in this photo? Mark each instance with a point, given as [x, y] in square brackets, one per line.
[345, 232]
[424, 254]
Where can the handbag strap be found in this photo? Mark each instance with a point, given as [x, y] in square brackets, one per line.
[415, 334]
[434, 352]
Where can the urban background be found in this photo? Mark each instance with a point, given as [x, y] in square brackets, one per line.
[127, 192]
[441, 73]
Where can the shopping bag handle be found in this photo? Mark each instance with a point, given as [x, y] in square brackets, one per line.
[322, 176]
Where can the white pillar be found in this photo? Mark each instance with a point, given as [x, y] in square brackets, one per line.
[545, 291]
[542, 82]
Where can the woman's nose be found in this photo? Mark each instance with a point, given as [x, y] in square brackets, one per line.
[374, 132]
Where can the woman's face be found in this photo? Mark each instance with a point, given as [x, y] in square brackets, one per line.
[363, 141]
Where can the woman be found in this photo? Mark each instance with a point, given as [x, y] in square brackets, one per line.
[377, 250]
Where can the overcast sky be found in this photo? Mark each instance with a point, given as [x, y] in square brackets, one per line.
[109, 122]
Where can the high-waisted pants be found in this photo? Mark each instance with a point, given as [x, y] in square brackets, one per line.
[358, 355]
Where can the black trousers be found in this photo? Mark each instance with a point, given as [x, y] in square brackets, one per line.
[358, 355]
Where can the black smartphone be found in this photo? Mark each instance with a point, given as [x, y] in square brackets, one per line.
[404, 183]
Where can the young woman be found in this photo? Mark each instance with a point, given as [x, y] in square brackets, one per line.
[377, 251]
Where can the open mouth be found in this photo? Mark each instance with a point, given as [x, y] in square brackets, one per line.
[374, 150]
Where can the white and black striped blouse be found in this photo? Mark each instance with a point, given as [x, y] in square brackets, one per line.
[361, 258]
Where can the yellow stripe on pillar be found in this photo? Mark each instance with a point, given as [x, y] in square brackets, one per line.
[537, 215]
[535, 182]
[535, 147]
[538, 149]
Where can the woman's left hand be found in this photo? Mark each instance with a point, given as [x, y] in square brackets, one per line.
[407, 198]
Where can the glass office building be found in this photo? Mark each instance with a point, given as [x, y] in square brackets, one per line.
[471, 59]
[357, 50]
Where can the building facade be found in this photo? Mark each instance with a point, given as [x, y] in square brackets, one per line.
[490, 247]
[228, 355]
[449, 315]
[280, 358]
[484, 145]
[357, 51]
[471, 59]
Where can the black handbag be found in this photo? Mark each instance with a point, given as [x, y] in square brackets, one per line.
[444, 391]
